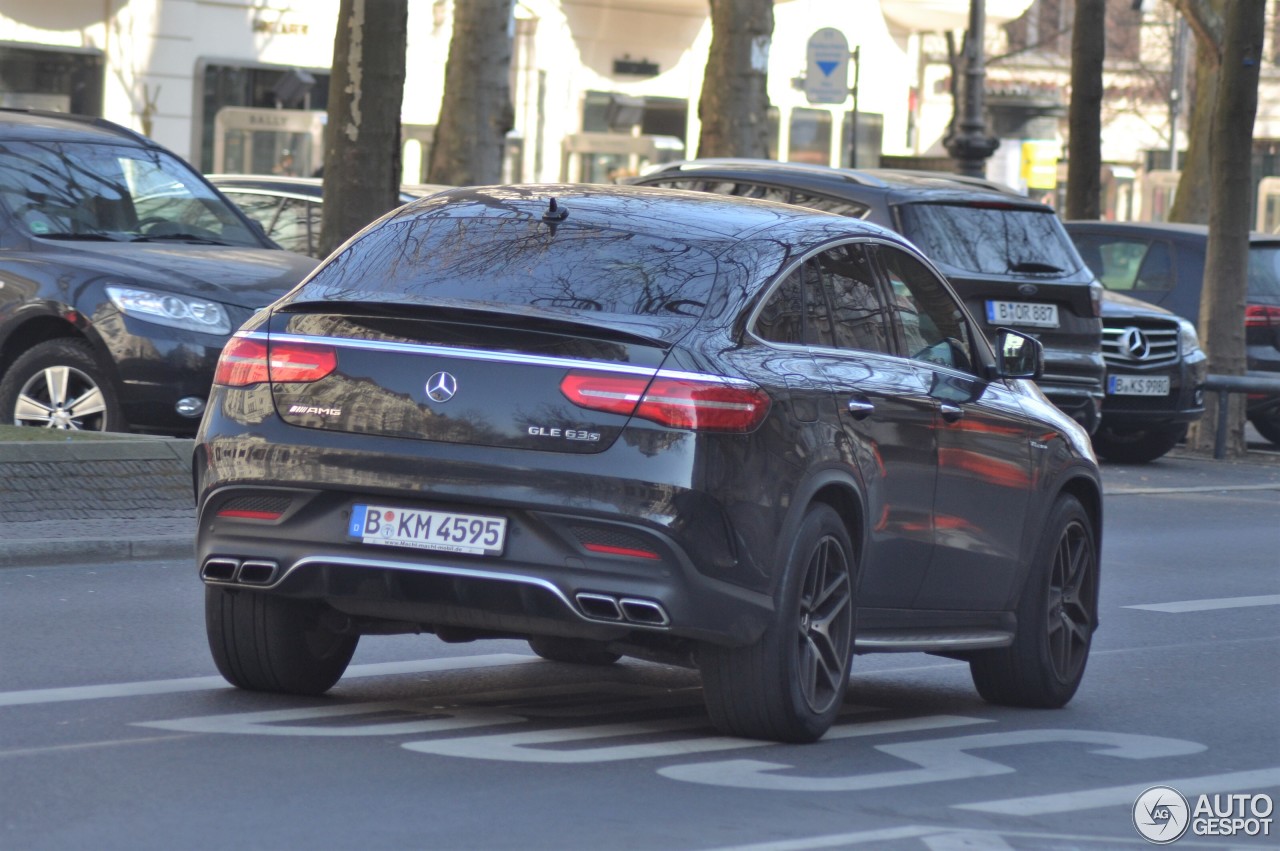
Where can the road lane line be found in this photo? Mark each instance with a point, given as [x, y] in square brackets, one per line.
[187, 684]
[1209, 605]
[111, 743]
[1090, 799]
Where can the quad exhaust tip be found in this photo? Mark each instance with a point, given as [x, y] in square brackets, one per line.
[235, 571]
[604, 607]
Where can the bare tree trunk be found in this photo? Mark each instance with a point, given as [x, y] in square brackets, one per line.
[1222, 300]
[734, 104]
[476, 111]
[362, 139]
[1084, 165]
[1191, 203]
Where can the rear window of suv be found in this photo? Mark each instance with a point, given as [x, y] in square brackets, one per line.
[479, 262]
[1264, 270]
[990, 240]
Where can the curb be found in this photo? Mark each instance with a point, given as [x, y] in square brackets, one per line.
[80, 551]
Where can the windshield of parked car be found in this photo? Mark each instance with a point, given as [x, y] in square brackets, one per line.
[482, 262]
[111, 192]
[1264, 270]
[990, 239]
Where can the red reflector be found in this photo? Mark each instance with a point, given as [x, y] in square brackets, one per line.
[245, 361]
[1261, 315]
[620, 551]
[699, 404]
[243, 514]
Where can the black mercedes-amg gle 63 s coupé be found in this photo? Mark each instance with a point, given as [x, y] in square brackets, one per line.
[740, 435]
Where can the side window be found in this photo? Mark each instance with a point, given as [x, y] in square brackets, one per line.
[759, 190]
[931, 323]
[831, 205]
[857, 311]
[260, 208]
[796, 313]
[1156, 272]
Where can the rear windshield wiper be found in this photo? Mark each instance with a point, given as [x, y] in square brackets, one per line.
[1033, 266]
[91, 237]
[178, 237]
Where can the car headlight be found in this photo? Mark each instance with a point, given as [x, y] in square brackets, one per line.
[1188, 339]
[177, 311]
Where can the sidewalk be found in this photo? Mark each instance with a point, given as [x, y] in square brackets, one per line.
[117, 498]
[129, 498]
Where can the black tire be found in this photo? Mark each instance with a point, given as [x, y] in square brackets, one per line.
[575, 651]
[790, 685]
[1057, 616]
[1136, 446]
[1268, 424]
[264, 643]
[58, 384]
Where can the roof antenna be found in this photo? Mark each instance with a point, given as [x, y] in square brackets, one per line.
[554, 213]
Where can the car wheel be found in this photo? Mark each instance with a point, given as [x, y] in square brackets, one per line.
[1057, 615]
[58, 384]
[1268, 424]
[1136, 446]
[576, 651]
[790, 685]
[265, 643]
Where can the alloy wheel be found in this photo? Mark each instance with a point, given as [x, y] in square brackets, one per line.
[1071, 602]
[825, 625]
[61, 397]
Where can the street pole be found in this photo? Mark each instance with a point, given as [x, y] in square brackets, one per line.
[853, 130]
[971, 146]
[1179, 72]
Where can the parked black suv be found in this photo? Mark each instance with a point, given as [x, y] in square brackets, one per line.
[1006, 255]
[122, 275]
[1163, 264]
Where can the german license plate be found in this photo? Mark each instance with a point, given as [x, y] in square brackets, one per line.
[1022, 313]
[443, 531]
[1138, 385]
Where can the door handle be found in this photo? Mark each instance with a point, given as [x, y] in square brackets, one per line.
[860, 409]
[951, 413]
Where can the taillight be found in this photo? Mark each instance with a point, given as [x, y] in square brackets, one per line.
[699, 404]
[1261, 316]
[246, 361]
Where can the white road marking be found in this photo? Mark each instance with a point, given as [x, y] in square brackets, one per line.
[186, 684]
[932, 836]
[1089, 799]
[110, 743]
[1209, 605]
[532, 745]
[935, 761]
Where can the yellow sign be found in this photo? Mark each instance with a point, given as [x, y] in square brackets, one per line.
[1040, 164]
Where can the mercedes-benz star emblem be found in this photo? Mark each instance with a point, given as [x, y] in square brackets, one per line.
[441, 387]
[1135, 344]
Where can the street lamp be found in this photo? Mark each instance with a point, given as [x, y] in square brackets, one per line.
[971, 146]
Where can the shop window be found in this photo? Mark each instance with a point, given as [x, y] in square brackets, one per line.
[63, 81]
[810, 136]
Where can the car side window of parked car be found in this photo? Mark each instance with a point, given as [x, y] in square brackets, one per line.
[856, 306]
[1156, 271]
[796, 313]
[831, 205]
[932, 327]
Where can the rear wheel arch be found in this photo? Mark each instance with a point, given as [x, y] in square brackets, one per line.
[834, 488]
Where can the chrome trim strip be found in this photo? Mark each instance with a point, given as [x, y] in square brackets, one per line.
[921, 642]
[434, 569]
[490, 355]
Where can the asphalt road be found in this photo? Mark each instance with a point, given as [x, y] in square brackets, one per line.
[116, 733]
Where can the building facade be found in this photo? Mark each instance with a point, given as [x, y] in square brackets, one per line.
[603, 87]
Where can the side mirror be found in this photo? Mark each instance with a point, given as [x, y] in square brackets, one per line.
[1018, 355]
